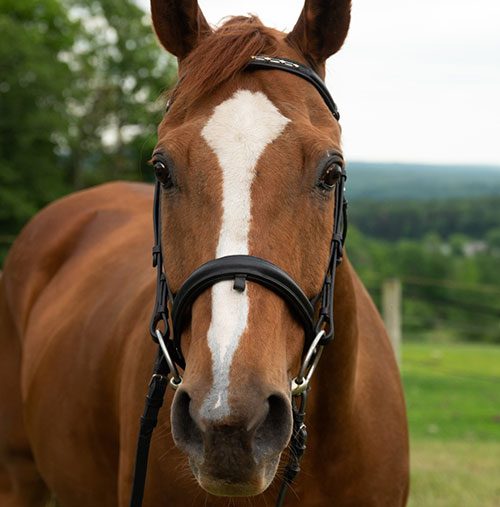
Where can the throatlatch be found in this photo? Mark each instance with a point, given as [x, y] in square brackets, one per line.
[318, 324]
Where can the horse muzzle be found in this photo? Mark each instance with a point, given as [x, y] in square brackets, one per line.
[239, 455]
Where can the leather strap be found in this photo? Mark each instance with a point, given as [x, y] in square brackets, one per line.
[296, 68]
[241, 268]
[149, 420]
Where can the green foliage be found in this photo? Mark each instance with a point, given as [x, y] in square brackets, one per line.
[80, 98]
[447, 253]
[116, 103]
[32, 111]
[395, 219]
[446, 295]
[493, 239]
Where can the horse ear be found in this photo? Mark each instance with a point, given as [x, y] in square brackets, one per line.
[179, 24]
[321, 29]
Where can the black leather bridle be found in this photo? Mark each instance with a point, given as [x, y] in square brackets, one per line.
[316, 315]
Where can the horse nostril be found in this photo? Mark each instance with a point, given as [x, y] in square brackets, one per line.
[274, 433]
[186, 432]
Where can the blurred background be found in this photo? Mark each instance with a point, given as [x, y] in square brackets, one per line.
[81, 93]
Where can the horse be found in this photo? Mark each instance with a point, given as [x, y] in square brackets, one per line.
[244, 167]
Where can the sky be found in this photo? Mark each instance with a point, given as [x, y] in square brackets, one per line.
[416, 80]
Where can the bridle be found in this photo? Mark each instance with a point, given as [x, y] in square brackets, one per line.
[318, 324]
[315, 315]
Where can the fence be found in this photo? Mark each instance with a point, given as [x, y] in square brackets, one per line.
[463, 312]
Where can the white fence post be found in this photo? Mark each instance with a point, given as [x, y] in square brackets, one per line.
[391, 312]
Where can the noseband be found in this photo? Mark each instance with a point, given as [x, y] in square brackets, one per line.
[315, 315]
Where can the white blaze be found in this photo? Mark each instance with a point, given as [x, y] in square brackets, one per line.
[238, 132]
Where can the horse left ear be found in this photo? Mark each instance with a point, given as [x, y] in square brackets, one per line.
[321, 29]
[179, 24]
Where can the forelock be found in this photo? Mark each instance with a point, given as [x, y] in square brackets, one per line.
[220, 57]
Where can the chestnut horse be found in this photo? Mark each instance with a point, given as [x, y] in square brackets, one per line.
[243, 160]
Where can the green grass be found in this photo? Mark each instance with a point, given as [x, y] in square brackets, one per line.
[455, 474]
[453, 391]
[453, 398]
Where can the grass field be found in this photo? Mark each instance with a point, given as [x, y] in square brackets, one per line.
[453, 398]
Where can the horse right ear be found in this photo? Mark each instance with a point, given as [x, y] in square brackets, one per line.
[321, 29]
[179, 25]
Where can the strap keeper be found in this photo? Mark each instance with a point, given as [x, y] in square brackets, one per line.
[156, 251]
[340, 253]
[240, 283]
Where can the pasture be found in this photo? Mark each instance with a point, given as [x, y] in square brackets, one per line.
[453, 397]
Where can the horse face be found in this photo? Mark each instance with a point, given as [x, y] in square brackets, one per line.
[243, 157]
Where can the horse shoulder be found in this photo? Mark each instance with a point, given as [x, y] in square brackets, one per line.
[53, 235]
[79, 284]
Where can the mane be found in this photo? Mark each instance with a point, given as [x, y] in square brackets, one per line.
[221, 56]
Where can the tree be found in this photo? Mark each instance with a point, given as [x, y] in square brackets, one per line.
[80, 98]
[493, 240]
[32, 106]
[116, 101]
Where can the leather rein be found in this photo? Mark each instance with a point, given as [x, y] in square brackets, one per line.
[315, 315]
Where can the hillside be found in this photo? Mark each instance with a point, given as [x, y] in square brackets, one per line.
[382, 182]
[393, 219]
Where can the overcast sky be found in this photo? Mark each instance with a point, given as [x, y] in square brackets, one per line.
[416, 81]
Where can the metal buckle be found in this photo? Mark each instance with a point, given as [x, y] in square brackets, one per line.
[301, 382]
[176, 379]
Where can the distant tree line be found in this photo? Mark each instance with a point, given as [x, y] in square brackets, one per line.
[376, 181]
[390, 220]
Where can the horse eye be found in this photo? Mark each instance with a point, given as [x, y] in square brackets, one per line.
[330, 176]
[162, 173]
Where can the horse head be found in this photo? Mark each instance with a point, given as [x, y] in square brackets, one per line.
[248, 161]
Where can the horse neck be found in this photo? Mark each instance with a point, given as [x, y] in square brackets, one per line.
[332, 393]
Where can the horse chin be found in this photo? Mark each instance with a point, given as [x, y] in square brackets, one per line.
[260, 479]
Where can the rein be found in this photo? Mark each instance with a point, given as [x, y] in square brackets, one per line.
[318, 324]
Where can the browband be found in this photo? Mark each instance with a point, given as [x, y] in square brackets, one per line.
[268, 62]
